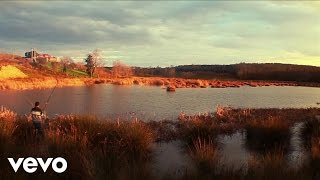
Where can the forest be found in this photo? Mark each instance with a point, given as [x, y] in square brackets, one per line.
[242, 71]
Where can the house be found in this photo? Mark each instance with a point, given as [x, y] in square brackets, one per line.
[37, 57]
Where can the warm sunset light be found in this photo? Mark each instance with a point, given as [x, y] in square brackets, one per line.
[157, 90]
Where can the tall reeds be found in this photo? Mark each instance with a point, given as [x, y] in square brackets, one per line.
[94, 148]
[98, 148]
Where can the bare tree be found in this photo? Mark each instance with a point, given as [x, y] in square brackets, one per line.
[121, 70]
[66, 61]
[93, 61]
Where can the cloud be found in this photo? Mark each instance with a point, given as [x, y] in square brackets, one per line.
[166, 33]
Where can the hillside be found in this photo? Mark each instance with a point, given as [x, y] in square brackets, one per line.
[17, 73]
[9, 71]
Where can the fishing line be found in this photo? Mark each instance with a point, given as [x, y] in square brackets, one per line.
[28, 101]
[45, 106]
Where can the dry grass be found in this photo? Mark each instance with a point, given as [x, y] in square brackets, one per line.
[15, 67]
[99, 148]
[272, 165]
[7, 125]
[202, 126]
[267, 134]
[94, 148]
[7, 72]
[164, 131]
[204, 154]
[43, 81]
[311, 138]
[40, 83]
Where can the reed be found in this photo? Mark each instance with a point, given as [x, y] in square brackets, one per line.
[204, 153]
[271, 165]
[94, 148]
[267, 134]
[311, 138]
[7, 126]
[202, 126]
[101, 148]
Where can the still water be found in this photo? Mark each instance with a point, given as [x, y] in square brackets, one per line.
[155, 103]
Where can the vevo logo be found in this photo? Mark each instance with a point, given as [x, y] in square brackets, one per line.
[30, 164]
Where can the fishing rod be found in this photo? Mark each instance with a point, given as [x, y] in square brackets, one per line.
[45, 106]
[28, 101]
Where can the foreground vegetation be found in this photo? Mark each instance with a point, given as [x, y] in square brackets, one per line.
[113, 149]
[92, 148]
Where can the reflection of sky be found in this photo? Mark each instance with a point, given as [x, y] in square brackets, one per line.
[155, 103]
[166, 33]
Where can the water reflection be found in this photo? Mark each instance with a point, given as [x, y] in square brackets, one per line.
[298, 154]
[154, 103]
[170, 159]
[233, 153]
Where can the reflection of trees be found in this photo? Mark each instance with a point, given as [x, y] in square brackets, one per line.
[119, 99]
[93, 96]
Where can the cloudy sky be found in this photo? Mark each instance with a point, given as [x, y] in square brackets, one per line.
[164, 33]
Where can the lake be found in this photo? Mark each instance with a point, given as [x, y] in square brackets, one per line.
[155, 103]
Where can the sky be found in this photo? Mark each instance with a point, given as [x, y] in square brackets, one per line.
[165, 33]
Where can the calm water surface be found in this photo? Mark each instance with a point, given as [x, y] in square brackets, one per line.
[154, 103]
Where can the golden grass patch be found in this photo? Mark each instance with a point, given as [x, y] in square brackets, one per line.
[9, 71]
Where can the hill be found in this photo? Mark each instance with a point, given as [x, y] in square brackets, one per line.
[9, 71]
[19, 73]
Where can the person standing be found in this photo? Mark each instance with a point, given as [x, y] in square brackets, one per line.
[37, 115]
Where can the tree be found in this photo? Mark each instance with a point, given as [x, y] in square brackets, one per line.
[66, 61]
[121, 70]
[93, 60]
[55, 66]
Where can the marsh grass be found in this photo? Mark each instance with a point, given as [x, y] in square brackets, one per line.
[94, 148]
[311, 132]
[7, 124]
[311, 138]
[98, 148]
[204, 153]
[271, 165]
[267, 135]
[205, 126]
[164, 131]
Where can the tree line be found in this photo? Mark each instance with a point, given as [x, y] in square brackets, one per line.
[242, 71]
[94, 66]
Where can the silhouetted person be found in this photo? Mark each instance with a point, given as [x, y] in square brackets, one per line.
[37, 114]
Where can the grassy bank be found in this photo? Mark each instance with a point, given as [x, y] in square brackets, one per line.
[23, 75]
[94, 149]
[98, 148]
[17, 73]
[50, 82]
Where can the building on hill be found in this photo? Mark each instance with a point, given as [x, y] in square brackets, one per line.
[37, 57]
[32, 55]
